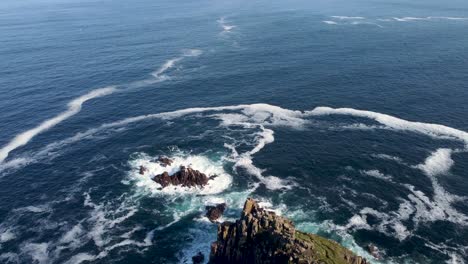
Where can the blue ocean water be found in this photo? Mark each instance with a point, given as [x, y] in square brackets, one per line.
[349, 118]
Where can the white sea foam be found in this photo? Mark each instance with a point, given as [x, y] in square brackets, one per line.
[6, 235]
[259, 119]
[348, 17]
[361, 126]
[105, 226]
[418, 207]
[433, 130]
[449, 18]
[80, 258]
[192, 52]
[257, 113]
[224, 25]
[34, 209]
[455, 259]
[159, 73]
[166, 66]
[439, 162]
[9, 257]
[406, 19]
[101, 220]
[366, 23]
[74, 107]
[104, 219]
[196, 162]
[37, 251]
[359, 221]
[377, 174]
[329, 22]
[389, 157]
[72, 238]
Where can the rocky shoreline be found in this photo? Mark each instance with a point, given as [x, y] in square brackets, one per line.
[261, 236]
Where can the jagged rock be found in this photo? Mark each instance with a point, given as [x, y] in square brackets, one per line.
[260, 236]
[374, 251]
[198, 258]
[165, 161]
[185, 177]
[143, 169]
[215, 212]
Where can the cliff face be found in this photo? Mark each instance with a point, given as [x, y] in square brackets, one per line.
[260, 236]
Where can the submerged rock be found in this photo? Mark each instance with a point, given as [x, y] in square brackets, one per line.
[165, 161]
[185, 177]
[143, 169]
[215, 212]
[198, 258]
[260, 236]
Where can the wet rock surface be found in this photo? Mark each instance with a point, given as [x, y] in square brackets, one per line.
[165, 161]
[185, 177]
[215, 212]
[143, 170]
[260, 236]
[198, 258]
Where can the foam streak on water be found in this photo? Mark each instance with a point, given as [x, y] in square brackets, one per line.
[74, 107]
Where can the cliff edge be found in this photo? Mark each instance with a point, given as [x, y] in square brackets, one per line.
[261, 236]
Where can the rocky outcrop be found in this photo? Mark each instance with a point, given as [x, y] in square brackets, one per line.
[165, 161]
[260, 236]
[198, 258]
[215, 212]
[143, 170]
[185, 177]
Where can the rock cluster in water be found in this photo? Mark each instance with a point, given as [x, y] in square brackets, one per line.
[215, 212]
[165, 161]
[260, 236]
[198, 258]
[185, 177]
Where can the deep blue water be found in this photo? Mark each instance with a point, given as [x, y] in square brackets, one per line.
[98, 73]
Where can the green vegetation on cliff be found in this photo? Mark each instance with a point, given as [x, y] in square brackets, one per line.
[261, 237]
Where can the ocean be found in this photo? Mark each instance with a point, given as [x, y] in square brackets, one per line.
[348, 117]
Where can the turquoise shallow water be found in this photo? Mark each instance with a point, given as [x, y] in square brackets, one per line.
[91, 90]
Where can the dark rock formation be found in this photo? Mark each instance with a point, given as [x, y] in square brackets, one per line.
[260, 236]
[215, 212]
[198, 258]
[143, 169]
[165, 161]
[185, 177]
